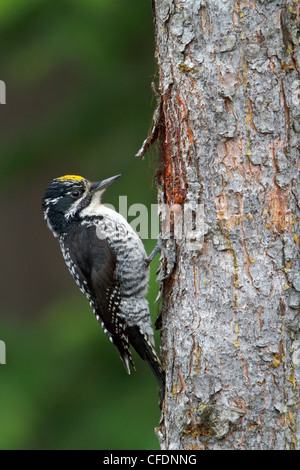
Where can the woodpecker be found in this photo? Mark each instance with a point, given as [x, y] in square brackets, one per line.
[108, 262]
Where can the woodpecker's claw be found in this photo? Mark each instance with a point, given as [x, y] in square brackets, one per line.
[162, 247]
[166, 246]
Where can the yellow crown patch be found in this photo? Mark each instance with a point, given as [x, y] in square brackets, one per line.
[70, 177]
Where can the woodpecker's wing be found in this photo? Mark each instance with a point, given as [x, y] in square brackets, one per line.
[95, 263]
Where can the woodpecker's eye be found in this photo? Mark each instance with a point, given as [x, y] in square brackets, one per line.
[75, 193]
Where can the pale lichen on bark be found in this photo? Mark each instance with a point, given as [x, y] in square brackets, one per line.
[228, 136]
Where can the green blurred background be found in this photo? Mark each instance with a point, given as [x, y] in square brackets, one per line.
[79, 101]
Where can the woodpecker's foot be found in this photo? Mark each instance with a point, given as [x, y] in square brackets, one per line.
[166, 246]
[162, 247]
[156, 250]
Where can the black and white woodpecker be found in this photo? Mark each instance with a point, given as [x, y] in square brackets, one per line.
[108, 261]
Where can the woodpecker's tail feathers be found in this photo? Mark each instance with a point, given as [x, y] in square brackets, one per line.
[124, 352]
[126, 358]
[146, 351]
[120, 340]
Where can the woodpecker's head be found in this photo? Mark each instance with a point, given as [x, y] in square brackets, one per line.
[67, 196]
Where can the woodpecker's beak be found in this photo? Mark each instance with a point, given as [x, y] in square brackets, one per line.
[102, 185]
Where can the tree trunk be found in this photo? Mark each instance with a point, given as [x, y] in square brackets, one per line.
[228, 131]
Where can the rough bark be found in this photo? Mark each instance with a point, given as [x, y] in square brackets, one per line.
[228, 132]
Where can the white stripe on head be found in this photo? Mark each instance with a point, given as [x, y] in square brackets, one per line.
[76, 204]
